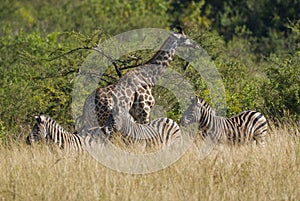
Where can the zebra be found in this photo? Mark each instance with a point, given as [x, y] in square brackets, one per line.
[242, 128]
[167, 132]
[48, 129]
[158, 134]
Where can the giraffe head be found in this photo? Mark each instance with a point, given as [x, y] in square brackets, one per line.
[184, 41]
[167, 51]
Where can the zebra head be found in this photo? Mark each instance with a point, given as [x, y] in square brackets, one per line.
[196, 111]
[189, 116]
[39, 131]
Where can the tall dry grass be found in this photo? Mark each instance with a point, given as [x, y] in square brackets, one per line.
[229, 173]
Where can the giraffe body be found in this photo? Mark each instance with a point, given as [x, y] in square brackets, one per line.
[99, 104]
[145, 75]
[133, 92]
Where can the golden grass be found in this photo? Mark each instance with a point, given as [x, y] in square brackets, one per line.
[229, 173]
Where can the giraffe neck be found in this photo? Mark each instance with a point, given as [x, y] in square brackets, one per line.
[165, 54]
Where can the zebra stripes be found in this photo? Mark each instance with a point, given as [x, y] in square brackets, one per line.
[48, 129]
[159, 133]
[167, 128]
[242, 128]
[162, 132]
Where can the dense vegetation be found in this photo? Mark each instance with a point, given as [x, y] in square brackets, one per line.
[255, 46]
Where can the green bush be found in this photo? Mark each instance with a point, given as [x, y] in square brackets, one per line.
[43, 45]
[281, 89]
[31, 84]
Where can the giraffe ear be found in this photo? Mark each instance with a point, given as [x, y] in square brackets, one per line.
[180, 30]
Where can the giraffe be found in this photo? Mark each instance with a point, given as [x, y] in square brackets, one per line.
[144, 75]
[99, 104]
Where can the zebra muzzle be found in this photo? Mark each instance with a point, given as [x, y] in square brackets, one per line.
[28, 141]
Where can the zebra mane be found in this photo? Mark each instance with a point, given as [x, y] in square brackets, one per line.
[43, 118]
[46, 121]
[196, 100]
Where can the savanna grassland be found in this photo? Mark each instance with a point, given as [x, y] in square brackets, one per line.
[228, 173]
[254, 45]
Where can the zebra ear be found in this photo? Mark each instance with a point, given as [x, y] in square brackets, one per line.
[193, 99]
[199, 99]
[38, 118]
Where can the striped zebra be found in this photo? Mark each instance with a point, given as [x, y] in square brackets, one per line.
[166, 132]
[48, 129]
[242, 128]
[157, 134]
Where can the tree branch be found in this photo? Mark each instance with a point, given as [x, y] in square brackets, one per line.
[66, 53]
[112, 60]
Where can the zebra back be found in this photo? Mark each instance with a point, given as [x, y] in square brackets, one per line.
[159, 133]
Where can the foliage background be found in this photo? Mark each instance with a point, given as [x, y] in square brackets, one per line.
[255, 46]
